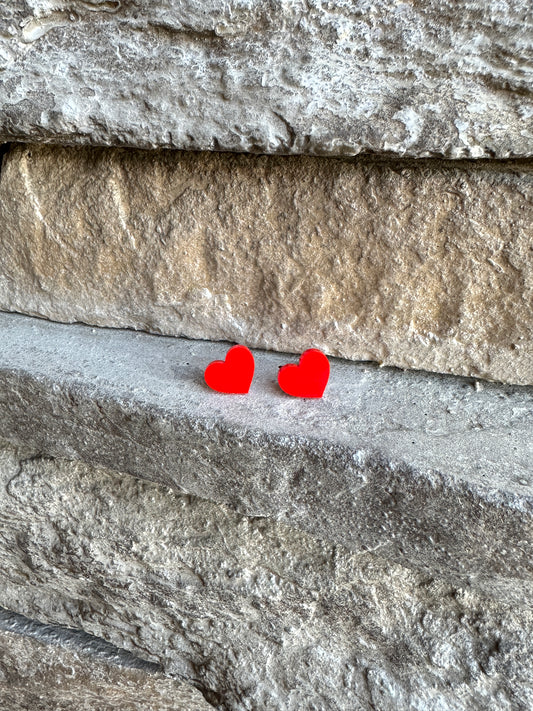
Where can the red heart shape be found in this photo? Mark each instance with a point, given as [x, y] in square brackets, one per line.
[307, 379]
[232, 375]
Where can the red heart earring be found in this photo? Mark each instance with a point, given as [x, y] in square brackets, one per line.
[232, 375]
[307, 379]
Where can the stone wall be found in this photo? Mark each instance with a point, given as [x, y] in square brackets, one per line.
[360, 181]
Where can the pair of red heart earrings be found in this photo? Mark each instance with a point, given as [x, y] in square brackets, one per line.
[235, 374]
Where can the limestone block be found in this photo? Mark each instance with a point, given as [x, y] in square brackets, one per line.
[257, 614]
[326, 77]
[433, 472]
[35, 676]
[417, 265]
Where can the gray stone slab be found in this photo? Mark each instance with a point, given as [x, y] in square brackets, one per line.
[432, 471]
[419, 79]
[257, 614]
[35, 676]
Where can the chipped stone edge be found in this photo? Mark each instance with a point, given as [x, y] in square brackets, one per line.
[150, 443]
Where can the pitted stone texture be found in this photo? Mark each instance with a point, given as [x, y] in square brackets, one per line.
[39, 677]
[450, 79]
[431, 471]
[414, 265]
[259, 615]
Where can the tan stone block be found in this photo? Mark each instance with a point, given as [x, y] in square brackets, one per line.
[424, 264]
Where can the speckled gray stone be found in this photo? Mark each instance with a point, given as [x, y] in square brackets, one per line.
[420, 79]
[256, 614]
[431, 471]
[35, 676]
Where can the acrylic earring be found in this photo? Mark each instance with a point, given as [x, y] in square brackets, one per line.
[232, 375]
[307, 379]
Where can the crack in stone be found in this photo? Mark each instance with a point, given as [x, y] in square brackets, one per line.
[74, 639]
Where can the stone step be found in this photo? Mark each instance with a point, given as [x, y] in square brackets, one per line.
[333, 78]
[256, 614]
[417, 265]
[65, 674]
[433, 472]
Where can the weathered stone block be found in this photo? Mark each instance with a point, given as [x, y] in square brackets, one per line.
[415, 265]
[257, 614]
[35, 676]
[433, 472]
[420, 79]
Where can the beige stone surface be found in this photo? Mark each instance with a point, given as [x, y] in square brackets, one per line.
[35, 676]
[421, 265]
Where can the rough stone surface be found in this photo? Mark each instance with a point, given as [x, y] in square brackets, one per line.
[270, 76]
[35, 676]
[431, 471]
[256, 614]
[414, 265]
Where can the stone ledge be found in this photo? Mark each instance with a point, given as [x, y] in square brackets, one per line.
[318, 77]
[430, 471]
